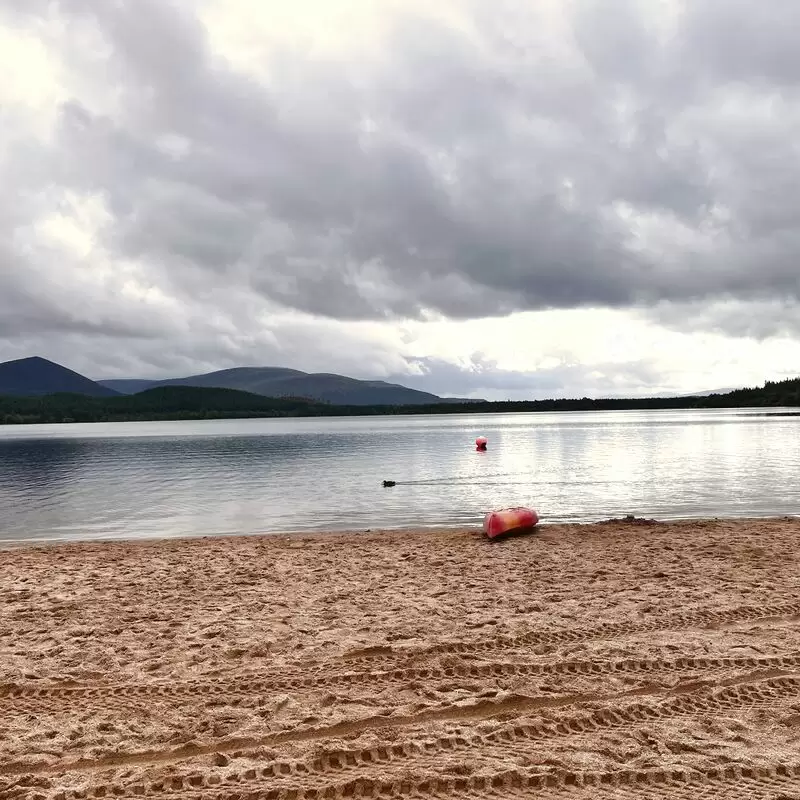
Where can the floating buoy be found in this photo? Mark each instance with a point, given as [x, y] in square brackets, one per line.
[481, 443]
[508, 521]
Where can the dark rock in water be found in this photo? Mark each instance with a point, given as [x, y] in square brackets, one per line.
[389, 483]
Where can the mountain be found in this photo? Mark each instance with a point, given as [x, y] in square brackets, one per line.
[189, 402]
[128, 385]
[709, 392]
[160, 403]
[283, 382]
[36, 376]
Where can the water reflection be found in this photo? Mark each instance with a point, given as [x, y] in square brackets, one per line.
[151, 479]
[28, 466]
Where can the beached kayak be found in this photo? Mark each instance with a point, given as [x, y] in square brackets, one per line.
[509, 520]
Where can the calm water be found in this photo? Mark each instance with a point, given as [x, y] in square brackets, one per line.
[177, 478]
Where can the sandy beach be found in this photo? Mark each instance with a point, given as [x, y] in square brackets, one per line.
[611, 660]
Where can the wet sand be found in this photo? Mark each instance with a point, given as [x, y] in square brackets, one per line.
[613, 660]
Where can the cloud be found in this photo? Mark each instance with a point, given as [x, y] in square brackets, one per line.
[207, 342]
[755, 320]
[176, 176]
[483, 378]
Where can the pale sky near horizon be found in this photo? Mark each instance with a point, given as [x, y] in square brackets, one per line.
[494, 199]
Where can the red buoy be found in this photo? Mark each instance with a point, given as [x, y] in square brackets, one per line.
[481, 443]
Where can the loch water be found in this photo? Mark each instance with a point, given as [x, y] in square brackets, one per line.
[216, 477]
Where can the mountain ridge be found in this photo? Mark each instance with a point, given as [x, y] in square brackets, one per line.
[327, 387]
[195, 403]
[36, 376]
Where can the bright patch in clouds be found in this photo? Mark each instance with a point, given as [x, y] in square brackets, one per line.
[515, 200]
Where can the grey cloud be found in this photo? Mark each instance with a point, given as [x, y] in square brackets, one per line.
[759, 320]
[207, 340]
[482, 378]
[467, 174]
[735, 40]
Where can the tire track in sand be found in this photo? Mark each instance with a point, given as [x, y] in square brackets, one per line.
[25, 698]
[744, 693]
[703, 618]
[518, 737]
[295, 675]
[754, 782]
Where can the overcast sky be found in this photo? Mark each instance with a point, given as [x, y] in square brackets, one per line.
[496, 199]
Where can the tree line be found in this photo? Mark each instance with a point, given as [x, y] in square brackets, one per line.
[188, 403]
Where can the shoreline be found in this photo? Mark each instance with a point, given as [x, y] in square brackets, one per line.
[404, 530]
[410, 411]
[309, 664]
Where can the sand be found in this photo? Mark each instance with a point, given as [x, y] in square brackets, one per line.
[612, 660]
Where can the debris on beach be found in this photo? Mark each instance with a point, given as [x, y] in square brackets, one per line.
[629, 519]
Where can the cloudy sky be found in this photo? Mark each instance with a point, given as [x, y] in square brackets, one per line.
[497, 199]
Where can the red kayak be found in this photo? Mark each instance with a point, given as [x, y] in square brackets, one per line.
[509, 520]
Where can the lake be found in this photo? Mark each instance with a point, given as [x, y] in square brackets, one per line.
[145, 479]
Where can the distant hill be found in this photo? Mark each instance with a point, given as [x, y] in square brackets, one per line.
[283, 382]
[158, 403]
[188, 402]
[33, 377]
[708, 393]
[128, 385]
